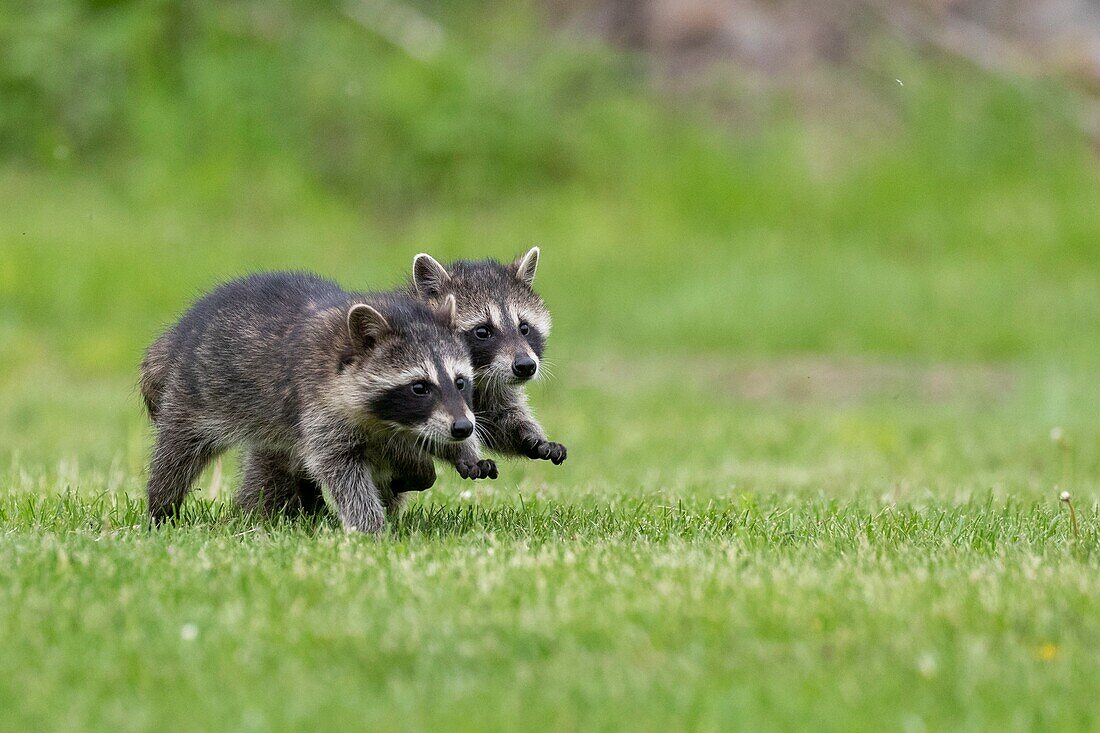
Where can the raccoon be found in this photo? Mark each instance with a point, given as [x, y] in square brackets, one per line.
[351, 390]
[505, 325]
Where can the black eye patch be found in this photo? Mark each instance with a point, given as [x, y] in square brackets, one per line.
[536, 339]
[482, 351]
[400, 405]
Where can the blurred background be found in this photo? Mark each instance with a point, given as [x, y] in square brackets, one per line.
[839, 245]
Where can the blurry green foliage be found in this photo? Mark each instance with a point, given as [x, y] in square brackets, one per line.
[150, 148]
[301, 84]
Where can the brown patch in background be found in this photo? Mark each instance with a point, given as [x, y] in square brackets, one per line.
[783, 36]
[810, 48]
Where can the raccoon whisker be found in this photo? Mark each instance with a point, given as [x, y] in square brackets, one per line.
[396, 437]
[487, 390]
[546, 370]
[484, 428]
[395, 444]
[387, 444]
[494, 386]
[480, 431]
[486, 385]
[485, 436]
[488, 373]
[421, 443]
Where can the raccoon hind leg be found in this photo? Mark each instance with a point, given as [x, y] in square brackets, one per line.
[180, 455]
[271, 486]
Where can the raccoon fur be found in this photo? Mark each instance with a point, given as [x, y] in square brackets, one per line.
[351, 390]
[505, 324]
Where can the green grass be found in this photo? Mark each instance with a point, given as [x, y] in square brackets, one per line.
[705, 559]
[552, 615]
[807, 368]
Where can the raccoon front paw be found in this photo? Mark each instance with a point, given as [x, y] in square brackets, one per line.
[488, 468]
[484, 468]
[545, 450]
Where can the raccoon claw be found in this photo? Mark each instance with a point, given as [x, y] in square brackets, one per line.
[488, 468]
[482, 469]
[545, 450]
[557, 454]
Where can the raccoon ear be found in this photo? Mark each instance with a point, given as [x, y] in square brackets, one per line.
[448, 310]
[525, 266]
[428, 275]
[366, 325]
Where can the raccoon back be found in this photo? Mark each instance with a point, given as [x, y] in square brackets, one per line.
[248, 350]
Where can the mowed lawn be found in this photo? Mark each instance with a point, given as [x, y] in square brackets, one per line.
[817, 430]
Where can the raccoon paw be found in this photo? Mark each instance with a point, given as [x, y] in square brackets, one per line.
[481, 469]
[545, 450]
[488, 468]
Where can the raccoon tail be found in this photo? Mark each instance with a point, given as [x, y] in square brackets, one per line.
[154, 375]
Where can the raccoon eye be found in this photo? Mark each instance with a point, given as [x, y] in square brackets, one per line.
[420, 389]
[524, 328]
[460, 384]
[482, 332]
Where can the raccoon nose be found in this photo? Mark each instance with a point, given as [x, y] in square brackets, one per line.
[462, 429]
[524, 367]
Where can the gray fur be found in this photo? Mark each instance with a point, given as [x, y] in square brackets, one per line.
[501, 295]
[294, 367]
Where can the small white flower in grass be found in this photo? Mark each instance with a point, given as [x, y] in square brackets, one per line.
[189, 632]
[1057, 435]
[1064, 497]
[467, 494]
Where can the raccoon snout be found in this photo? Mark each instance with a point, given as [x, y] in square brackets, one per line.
[462, 429]
[524, 367]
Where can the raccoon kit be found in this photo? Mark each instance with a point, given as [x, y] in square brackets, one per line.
[505, 324]
[322, 387]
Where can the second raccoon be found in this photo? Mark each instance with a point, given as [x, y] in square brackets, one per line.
[505, 325]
